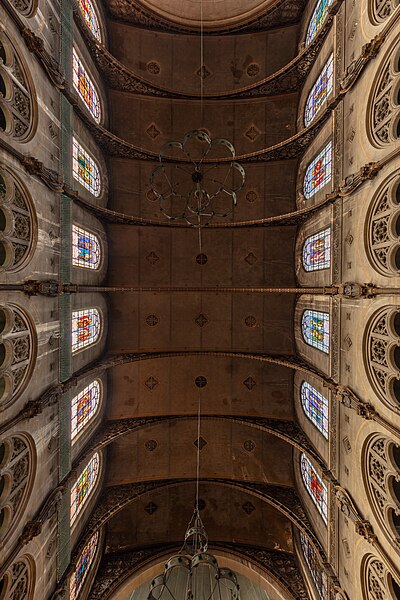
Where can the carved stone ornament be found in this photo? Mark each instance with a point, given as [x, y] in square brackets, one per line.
[348, 508]
[50, 64]
[353, 71]
[50, 177]
[352, 182]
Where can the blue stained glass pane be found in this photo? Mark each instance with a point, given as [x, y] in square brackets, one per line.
[85, 169]
[320, 92]
[319, 577]
[315, 406]
[316, 329]
[84, 486]
[84, 406]
[85, 248]
[315, 487]
[85, 87]
[317, 20]
[319, 172]
[90, 16]
[83, 566]
[317, 251]
[86, 326]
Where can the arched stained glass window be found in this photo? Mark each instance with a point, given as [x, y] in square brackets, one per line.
[83, 567]
[84, 407]
[315, 486]
[86, 250]
[317, 251]
[84, 486]
[316, 329]
[85, 169]
[86, 326]
[90, 15]
[320, 92]
[317, 20]
[315, 405]
[85, 87]
[318, 576]
[318, 172]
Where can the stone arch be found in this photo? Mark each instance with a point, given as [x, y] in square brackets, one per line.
[378, 583]
[18, 348]
[382, 228]
[383, 114]
[18, 223]
[18, 106]
[17, 473]
[381, 474]
[382, 355]
[380, 10]
[18, 582]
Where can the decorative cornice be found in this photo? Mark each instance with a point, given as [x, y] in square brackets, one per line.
[118, 567]
[282, 13]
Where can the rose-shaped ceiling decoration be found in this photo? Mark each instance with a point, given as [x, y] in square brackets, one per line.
[196, 189]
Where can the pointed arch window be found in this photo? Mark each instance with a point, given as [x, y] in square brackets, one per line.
[320, 92]
[315, 405]
[317, 251]
[318, 172]
[85, 169]
[84, 486]
[91, 19]
[316, 329]
[84, 407]
[85, 87]
[318, 576]
[314, 486]
[83, 567]
[86, 326]
[318, 19]
[86, 251]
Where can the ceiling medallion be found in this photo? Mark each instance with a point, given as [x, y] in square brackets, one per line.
[196, 189]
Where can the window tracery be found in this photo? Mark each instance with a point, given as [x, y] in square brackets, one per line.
[17, 224]
[315, 406]
[382, 9]
[86, 327]
[318, 575]
[384, 117]
[314, 486]
[85, 169]
[84, 486]
[382, 480]
[319, 93]
[317, 19]
[84, 407]
[17, 97]
[86, 251]
[19, 580]
[315, 327]
[25, 7]
[84, 85]
[378, 581]
[17, 352]
[16, 475]
[383, 230]
[317, 251]
[83, 566]
[89, 13]
[319, 172]
[382, 359]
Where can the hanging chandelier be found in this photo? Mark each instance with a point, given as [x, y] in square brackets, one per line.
[196, 189]
[193, 573]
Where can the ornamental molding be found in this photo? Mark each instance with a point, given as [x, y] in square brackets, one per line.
[282, 13]
[117, 567]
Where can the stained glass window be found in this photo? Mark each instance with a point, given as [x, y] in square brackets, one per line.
[317, 251]
[315, 406]
[319, 577]
[83, 486]
[320, 91]
[90, 15]
[83, 566]
[319, 172]
[85, 248]
[315, 486]
[85, 169]
[84, 86]
[84, 407]
[86, 325]
[316, 329]
[318, 18]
